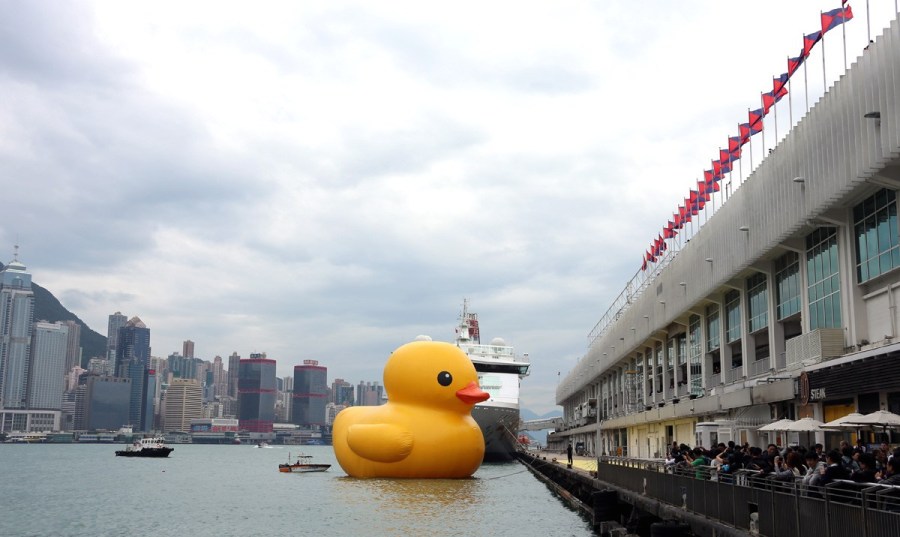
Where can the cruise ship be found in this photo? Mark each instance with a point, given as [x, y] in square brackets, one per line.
[500, 373]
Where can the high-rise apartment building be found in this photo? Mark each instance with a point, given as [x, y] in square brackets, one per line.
[220, 378]
[73, 345]
[234, 362]
[310, 394]
[116, 321]
[187, 349]
[369, 394]
[47, 366]
[16, 316]
[341, 392]
[256, 394]
[181, 404]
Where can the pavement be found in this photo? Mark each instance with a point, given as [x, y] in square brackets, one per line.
[582, 463]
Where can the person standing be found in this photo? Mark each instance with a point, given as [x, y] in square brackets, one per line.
[569, 453]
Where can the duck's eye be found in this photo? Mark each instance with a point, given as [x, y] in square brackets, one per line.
[445, 378]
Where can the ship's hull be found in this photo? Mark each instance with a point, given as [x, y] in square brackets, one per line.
[499, 425]
[155, 453]
[302, 468]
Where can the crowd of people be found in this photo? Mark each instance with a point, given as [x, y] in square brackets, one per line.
[812, 467]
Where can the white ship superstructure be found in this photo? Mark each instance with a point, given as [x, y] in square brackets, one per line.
[500, 373]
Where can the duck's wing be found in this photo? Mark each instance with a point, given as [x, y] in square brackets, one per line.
[380, 442]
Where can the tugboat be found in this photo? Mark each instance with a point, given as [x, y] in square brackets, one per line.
[303, 465]
[146, 447]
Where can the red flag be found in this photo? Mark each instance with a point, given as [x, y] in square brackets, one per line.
[836, 17]
[794, 64]
[756, 117]
[809, 41]
[778, 84]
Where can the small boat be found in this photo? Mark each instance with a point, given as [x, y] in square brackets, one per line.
[303, 465]
[146, 447]
[262, 444]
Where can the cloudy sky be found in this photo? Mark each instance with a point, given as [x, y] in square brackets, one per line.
[327, 180]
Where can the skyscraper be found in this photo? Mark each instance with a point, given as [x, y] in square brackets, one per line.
[187, 349]
[133, 362]
[369, 394]
[181, 404]
[256, 394]
[220, 380]
[16, 316]
[116, 321]
[73, 345]
[234, 362]
[310, 394]
[341, 392]
[102, 403]
[47, 366]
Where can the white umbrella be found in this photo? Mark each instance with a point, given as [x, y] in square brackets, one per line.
[882, 418]
[805, 425]
[844, 422]
[780, 425]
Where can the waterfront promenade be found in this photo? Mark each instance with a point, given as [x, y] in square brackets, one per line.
[625, 491]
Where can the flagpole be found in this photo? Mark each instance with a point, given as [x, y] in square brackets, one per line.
[762, 126]
[805, 82]
[750, 141]
[844, 29]
[868, 21]
[790, 104]
[775, 113]
[824, 78]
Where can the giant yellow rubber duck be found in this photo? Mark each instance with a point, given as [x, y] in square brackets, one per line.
[425, 430]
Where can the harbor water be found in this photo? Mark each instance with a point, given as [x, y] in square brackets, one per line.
[210, 490]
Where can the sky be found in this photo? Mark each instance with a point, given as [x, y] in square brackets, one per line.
[328, 180]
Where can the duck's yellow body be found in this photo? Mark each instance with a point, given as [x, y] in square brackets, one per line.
[425, 430]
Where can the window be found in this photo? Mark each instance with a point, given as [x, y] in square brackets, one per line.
[659, 368]
[732, 316]
[787, 285]
[712, 328]
[877, 243]
[757, 303]
[696, 380]
[823, 277]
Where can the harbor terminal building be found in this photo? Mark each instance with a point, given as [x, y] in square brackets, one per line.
[782, 304]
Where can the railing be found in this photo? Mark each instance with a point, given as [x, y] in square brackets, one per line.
[748, 501]
[758, 367]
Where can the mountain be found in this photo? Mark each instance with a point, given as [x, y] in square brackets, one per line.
[48, 308]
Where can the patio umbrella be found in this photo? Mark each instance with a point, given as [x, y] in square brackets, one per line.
[780, 425]
[805, 425]
[881, 418]
[844, 422]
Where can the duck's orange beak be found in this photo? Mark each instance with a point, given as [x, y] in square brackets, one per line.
[472, 394]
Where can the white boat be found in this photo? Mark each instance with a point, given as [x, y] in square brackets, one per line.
[500, 373]
[303, 465]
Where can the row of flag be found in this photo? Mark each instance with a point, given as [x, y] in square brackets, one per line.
[699, 196]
